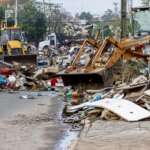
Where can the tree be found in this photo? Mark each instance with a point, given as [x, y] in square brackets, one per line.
[86, 16]
[12, 2]
[57, 19]
[110, 24]
[108, 15]
[96, 28]
[2, 13]
[33, 22]
[106, 31]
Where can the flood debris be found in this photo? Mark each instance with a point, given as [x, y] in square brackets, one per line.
[121, 71]
[129, 102]
[113, 79]
[27, 77]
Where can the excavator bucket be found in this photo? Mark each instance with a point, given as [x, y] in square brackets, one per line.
[90, 80]
[83, 81]
[23, 59]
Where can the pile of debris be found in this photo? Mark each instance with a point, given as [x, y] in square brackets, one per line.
[27, 77]
[124, 63]
[130, 102]
[128, 96]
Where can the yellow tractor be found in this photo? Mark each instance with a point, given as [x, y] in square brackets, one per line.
[13, 47]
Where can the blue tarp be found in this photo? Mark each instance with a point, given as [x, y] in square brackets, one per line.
[3, 80]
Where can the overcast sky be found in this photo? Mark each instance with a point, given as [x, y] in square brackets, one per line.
[94, 6]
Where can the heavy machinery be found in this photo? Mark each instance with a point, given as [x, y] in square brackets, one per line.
[13, 47]
[107, 53]
[126, 49]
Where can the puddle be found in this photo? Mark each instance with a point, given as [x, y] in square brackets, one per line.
[68, 136]
[67, 140]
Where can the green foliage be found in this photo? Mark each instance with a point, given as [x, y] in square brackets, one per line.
[12, 2]
[96, 28]
[33, 22]
[108, 15]
[2, 13]
[110, 24]
[57, 20]
[86, 16]
[106, 31]
[10, 20]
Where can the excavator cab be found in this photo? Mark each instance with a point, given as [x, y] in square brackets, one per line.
[15, 33]
[12, 41]
[13, 46]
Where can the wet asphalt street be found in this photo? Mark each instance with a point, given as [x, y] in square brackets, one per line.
[22, 125]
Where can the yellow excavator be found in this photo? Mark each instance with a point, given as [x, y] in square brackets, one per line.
[106, 55]
[13, 47]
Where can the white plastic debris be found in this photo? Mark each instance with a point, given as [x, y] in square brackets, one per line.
[11, 79]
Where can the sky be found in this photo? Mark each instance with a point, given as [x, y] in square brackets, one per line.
[93, 6]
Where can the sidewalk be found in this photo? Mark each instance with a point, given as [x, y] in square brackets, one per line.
[115, 135]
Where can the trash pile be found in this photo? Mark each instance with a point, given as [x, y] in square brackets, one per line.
[28, 77]
[130, 102]
[123, 63]
[124, 66]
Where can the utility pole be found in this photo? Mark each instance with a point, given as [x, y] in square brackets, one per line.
[132, 16]
[124, 18]
[44, 6]
[16, 13]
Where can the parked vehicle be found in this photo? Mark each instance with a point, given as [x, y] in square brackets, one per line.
[51, 41]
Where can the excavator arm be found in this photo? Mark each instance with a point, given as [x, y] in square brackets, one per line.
[122, 49]
[128, 54]
[97, 76]
[91, 42]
